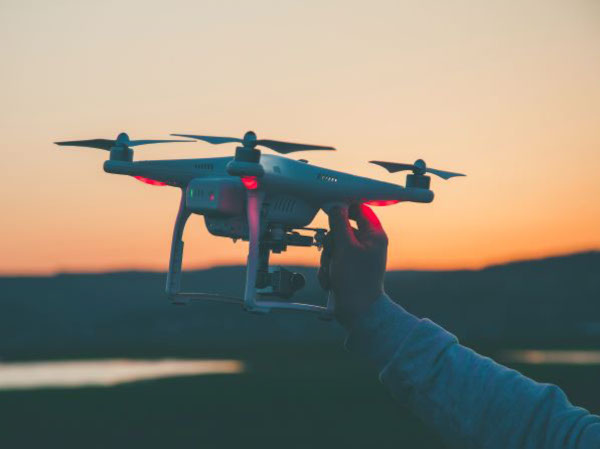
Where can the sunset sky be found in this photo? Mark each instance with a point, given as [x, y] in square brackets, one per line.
[505, 91]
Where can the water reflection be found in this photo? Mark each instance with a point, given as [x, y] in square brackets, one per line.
[552, 357]
[83, 373]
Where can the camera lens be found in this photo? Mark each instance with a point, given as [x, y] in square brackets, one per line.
[297, 281]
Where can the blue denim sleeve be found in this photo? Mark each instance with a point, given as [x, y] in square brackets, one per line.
[470, 400]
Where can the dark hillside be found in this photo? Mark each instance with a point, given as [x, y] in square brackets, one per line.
[551, 302]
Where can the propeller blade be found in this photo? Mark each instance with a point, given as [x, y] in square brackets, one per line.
[393, 167]
[135, 143]
[107, 144]
[103, 144]
[287, 147]
[443, 174]
[210, 139]
[417, 167]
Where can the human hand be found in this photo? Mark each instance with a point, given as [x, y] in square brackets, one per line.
[353, 263]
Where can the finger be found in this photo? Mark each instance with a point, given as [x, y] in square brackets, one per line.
[325, 257]
[366, 219]
[323, 277]
[323, 273]
[343, 235]
[327, 245]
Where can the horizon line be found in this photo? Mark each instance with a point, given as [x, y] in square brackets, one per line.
[54, 273]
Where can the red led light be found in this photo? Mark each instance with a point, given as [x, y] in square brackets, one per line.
[382, 202]
[250, 182]
[152, 182]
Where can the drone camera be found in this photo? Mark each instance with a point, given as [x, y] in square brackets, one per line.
[279, 282]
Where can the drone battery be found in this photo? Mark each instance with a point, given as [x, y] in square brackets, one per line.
[216, 197]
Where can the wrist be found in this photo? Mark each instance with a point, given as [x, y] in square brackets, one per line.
[380, 331]
[353, 306]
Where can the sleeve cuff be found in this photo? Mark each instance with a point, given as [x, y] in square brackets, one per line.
[379, 333]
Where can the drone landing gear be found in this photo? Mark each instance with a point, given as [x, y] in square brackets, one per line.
[260, 280]
[174, 275]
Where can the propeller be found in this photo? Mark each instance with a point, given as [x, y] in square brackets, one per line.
[250, 141]
[418, 168]
[122, 141]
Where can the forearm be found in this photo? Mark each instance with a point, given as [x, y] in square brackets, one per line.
[469, 399]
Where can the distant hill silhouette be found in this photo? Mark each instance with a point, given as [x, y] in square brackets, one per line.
[547, 302]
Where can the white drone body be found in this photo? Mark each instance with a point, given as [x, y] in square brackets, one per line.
[262, 198]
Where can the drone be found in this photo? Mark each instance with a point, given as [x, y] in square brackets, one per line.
[266, 199]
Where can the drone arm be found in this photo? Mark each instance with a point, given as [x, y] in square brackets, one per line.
[159, 171]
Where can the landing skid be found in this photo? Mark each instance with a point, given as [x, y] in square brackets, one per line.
[257, 265]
